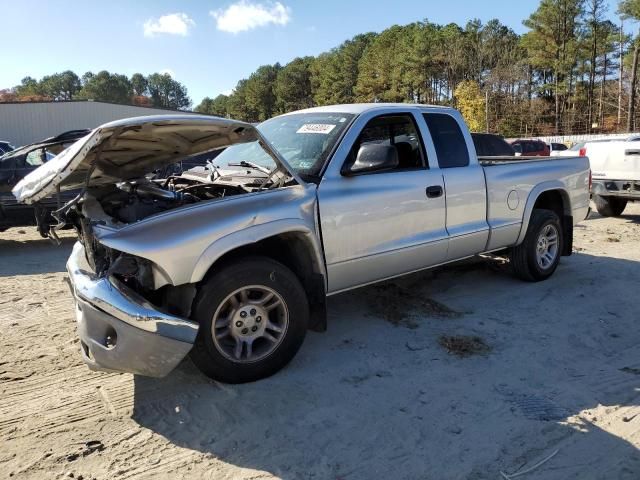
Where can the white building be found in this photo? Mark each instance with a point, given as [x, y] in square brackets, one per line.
[22, 123]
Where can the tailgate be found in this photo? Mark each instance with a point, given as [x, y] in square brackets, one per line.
[615, 160]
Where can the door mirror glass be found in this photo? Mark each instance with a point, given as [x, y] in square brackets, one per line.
[373, 157]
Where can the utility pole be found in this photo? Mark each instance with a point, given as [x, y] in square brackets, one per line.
[631, 114]
[621, 60]
[601, 102]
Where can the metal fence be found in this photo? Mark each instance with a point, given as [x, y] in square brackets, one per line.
[573, 139]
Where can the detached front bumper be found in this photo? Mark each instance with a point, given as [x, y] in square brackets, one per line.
[119, 330]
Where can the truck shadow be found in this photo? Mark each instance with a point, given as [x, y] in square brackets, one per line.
[373, 398]
[625, 217]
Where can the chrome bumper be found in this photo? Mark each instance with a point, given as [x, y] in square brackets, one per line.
[629, 189]
[119, 330]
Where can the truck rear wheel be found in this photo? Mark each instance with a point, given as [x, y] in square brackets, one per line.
[253, 317]
[537, 257]
[609, 206]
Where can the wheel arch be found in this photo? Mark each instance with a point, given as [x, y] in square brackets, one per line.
[295, 246]
[550, 196]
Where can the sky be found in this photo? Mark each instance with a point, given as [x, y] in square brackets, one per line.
[208, 45]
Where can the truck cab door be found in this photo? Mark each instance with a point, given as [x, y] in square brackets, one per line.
[465, 185]
[380, 224]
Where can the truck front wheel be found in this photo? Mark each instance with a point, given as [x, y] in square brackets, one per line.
[609, 206]
[253, 317]
[537, 257]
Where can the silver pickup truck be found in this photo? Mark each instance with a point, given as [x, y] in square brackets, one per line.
[233, 262]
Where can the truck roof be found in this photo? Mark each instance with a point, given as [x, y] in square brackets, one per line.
[358, 108]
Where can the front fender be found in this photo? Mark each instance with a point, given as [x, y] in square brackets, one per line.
[183, 243]
[252, 235]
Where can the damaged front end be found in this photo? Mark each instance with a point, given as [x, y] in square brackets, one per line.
[131, 316]
[119, 329]
[124, 322]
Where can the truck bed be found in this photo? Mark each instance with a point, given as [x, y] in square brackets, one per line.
[512, 181]
[488, 161]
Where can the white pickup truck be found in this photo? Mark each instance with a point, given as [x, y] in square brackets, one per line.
[234, 262]
[616, 172]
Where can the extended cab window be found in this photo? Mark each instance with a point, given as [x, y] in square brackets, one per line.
[448, 140]
[397, 130]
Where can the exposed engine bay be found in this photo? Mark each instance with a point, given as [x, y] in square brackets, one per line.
[131, 201]
[123, 172]
[127, 171]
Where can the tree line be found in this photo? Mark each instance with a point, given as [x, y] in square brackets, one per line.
[573, 71]
[156, 90]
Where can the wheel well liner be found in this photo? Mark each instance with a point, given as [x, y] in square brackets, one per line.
[552, 200]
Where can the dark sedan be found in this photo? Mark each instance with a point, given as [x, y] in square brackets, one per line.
[490, 145]
[15, 165]
[5, 147]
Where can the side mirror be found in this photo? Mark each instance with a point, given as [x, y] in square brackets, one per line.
[373, 157]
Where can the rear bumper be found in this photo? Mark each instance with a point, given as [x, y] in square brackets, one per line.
[617, 188]
[119, 330]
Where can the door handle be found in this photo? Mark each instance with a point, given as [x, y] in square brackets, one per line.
[434, 191]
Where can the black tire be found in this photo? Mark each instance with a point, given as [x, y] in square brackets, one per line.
[234, 276]
[524, 258]
[609, 206]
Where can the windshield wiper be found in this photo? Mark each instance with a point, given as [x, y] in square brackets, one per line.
[246, 164]
[215, 170]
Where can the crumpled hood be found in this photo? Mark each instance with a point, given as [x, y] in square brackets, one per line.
[131, 148]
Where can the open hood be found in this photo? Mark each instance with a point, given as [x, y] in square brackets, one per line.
[131, 148]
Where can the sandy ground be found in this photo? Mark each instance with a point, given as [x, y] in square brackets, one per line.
[377, 396]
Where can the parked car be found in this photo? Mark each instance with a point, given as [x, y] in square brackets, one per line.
[490, 145]
[17, 163]
[557, 147]
[531, 148]
[5, 147]
[580, 148]
[575, 149]
[236, 265]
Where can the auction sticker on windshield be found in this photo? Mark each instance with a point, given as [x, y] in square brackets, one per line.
[323, 128]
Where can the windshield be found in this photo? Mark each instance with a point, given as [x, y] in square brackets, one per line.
[303, 139]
